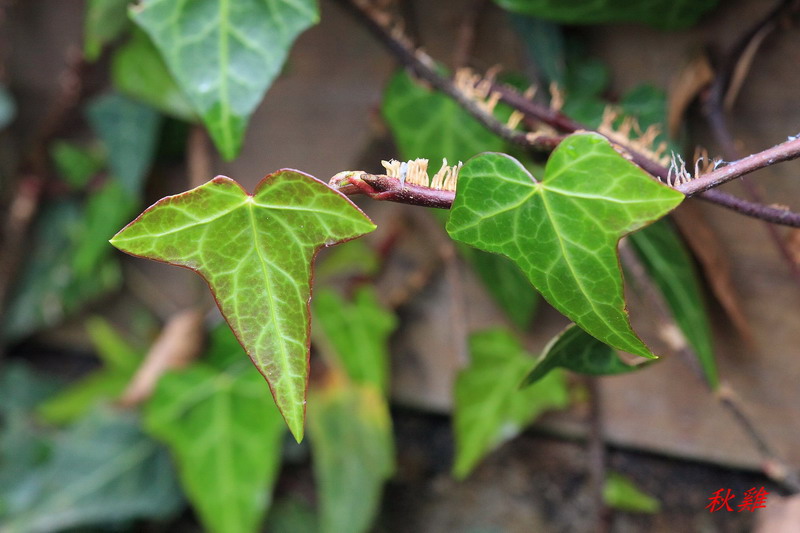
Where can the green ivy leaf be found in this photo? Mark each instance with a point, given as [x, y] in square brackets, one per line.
[255, 253]
[105, 21]
[430, 125]
[670, 265]
[353, 450]
[224, 432]
[138, 71]
[665, 14]
[576, 350]
[120, 361]
[620, 493]
[129, 131]
[102, 470]
[225, 54]
[490, 408]
[358, 333]
[563, 231]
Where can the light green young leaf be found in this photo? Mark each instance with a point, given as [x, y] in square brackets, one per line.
[105, 21]
[358, 334]
[225, 434]
[225, 54]
[255, 253]
[563, 231]
[138, 71]
[129, 131]
[120, 361]
[670, 265]
[353, 450]
[490, 408]
[430, 125]
[576, 350]
[664, 14]
[102, 470]
[620, 493]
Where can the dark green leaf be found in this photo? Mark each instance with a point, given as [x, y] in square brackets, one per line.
[620, 493]
[490, 408]
[669, 264]
[665, 14]
[225, 434]
[563, 231]
[544, 44]
[129, 131]
[120, 363]
[105, 21]
[225, 54]
[351, 440]
[576, 350]
[75, 164]
[103, 470]
[357, 333]
[139, 72]
[255, 252]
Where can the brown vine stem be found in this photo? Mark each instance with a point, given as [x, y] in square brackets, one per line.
[424, 68]
[777, 154]
[597, 455]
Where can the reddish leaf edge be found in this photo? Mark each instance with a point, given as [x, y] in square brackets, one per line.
[265, 181]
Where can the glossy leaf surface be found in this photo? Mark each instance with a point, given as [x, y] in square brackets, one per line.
[224, 432]
[225, 54]
[576, 350]
[351, 439]
[357, 333]
[490, 408]
[255, 252]
[666, 14]
[563, 231]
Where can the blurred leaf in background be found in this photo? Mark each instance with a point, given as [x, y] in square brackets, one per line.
[105, 20]
[664, 14]
[353, 452]
[76, 164]
[139, 71]
[490, 407]
[129, 130]
[102, 470]
[621, 493]
[8, 108]
[225, 55]
[224, 432]
[358, 332]
[120, 361]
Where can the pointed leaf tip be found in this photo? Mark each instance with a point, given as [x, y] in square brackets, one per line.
[255, 252]
[563, 231]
